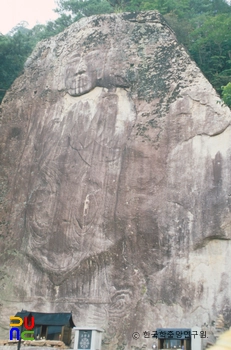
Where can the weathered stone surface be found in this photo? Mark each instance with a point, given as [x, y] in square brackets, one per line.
[115, 183]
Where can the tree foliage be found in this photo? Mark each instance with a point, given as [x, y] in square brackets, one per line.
[202, 26]
[18, 45]
[13, 52]
[226, 94]
[211, 48]
[81, 8]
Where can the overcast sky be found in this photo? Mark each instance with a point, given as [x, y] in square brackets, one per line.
[33, 11]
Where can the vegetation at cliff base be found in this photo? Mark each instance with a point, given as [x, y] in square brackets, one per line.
[226, 94]
[202, 26]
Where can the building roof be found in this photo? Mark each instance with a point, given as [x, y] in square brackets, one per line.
[88, 329]
[49, 319]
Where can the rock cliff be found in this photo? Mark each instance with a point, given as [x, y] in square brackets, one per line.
[115, 183]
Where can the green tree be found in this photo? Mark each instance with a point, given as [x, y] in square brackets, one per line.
[210, 46]
[19, 43]
[13, 53]
[40, 31]
[163, 6]
[226, 94]
[81, 8]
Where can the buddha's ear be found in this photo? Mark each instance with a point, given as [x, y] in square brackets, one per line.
[99, 73]
[120, 81]
[61, 78]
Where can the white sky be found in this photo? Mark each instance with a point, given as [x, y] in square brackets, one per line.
[32, 11]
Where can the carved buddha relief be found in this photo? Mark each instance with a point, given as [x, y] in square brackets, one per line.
[79, 166]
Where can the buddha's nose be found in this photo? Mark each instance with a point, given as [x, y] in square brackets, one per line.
[81, 68]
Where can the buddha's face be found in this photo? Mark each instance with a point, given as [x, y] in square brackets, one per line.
[84, 72]
[81, 76]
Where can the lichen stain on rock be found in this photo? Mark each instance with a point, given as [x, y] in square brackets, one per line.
[115, 182]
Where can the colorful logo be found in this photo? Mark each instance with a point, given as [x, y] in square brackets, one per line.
[27, 323]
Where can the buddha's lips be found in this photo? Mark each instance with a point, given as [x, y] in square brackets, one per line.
[80, 84]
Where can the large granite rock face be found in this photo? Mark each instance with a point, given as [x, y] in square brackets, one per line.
[115, 183]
